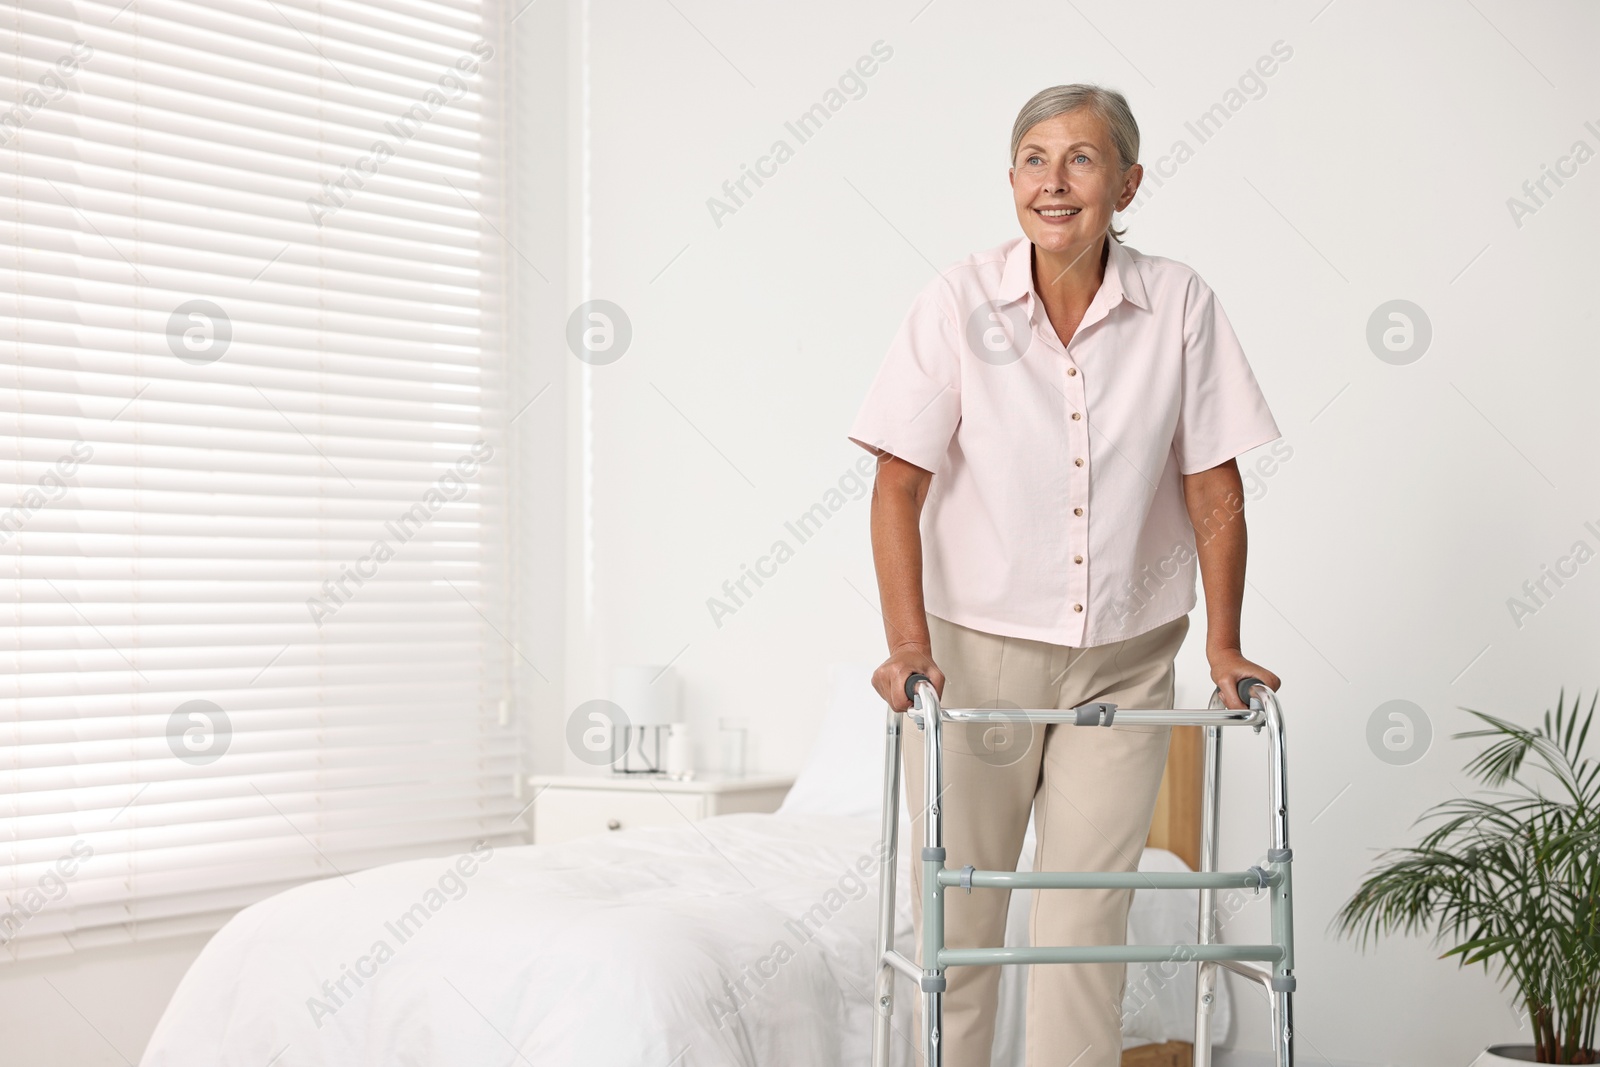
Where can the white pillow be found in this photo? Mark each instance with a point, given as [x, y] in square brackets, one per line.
[844, 773]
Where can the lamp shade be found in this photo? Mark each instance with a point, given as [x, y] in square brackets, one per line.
[646, 693]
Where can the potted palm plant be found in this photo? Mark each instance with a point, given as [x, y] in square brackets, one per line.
[1510, 878]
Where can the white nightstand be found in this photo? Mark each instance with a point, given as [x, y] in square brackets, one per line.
[569, 806]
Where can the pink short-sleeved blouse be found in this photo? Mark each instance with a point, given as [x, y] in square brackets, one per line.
[1056, 509]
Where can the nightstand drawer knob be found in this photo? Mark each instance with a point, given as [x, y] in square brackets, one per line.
[613, 824]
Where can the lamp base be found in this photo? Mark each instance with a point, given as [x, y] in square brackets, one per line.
[641, 750]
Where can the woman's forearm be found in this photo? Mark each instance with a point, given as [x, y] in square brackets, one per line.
[898, 492]
[1222, 562]
[1215, 500]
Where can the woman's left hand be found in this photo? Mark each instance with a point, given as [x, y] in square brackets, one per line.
[1229, 668]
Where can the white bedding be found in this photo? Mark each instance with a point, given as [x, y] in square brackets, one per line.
[669, 947]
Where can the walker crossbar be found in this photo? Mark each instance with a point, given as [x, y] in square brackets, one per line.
[1110, 879]
[1273, 877]
[1124, 717]
[985, 957]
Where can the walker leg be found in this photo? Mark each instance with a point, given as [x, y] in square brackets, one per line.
[1283, 1029]
[1205, 995]
[1280, 857]
[933, 856]
[1207, 973]
[1281, 986]
[883, 994]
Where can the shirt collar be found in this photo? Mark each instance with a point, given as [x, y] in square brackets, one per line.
[1121, 280]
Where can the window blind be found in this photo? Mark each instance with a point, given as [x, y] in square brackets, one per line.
[252, 527]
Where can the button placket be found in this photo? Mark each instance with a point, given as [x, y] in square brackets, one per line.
[1078, 443]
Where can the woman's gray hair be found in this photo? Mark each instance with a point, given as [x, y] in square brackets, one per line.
[1110, 105]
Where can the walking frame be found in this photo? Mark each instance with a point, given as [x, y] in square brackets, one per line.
[1272, 965]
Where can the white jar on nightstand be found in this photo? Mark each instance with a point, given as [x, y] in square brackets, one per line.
[680, 756]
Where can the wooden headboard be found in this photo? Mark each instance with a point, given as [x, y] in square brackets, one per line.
[1176, 826]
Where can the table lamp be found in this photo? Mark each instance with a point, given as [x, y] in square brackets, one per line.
[647, 694]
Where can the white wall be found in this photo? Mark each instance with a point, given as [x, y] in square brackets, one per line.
[93, 1009]
[1376, 165]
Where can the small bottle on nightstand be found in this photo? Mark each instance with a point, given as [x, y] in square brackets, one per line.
[680, 758]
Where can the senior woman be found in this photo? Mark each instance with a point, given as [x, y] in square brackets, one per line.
[1056, 424]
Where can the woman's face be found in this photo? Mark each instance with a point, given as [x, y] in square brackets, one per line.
[1068, 165]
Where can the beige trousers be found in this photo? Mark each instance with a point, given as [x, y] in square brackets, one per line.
[1092, 791]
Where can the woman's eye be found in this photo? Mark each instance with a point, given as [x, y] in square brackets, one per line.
[1080, 157]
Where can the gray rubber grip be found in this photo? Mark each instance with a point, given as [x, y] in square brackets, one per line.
[1244, 688]
[911, 685]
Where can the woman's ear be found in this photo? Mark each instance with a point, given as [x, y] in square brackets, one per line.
[1130, 185]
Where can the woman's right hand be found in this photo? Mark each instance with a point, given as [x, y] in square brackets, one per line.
[890, 677]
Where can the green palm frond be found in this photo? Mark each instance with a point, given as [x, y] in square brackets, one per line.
[1509, 878]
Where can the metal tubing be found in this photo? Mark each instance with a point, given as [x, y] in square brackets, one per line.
[989, 957]
[884, 1003]
[932, 1028]
[1282, 1012]
[898, 962]
[932, 891]
[1277, 767]
[1282, 989]
[1130, 716]
[1205, 983]
[951, 876]
[1254, 972]
[1206, 952]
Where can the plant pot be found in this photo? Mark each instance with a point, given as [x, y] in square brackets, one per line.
[1507, 1055]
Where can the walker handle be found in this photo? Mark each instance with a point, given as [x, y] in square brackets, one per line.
[1244, 688]
[911, 685]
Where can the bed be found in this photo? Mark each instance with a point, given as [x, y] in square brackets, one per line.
[736, 941]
